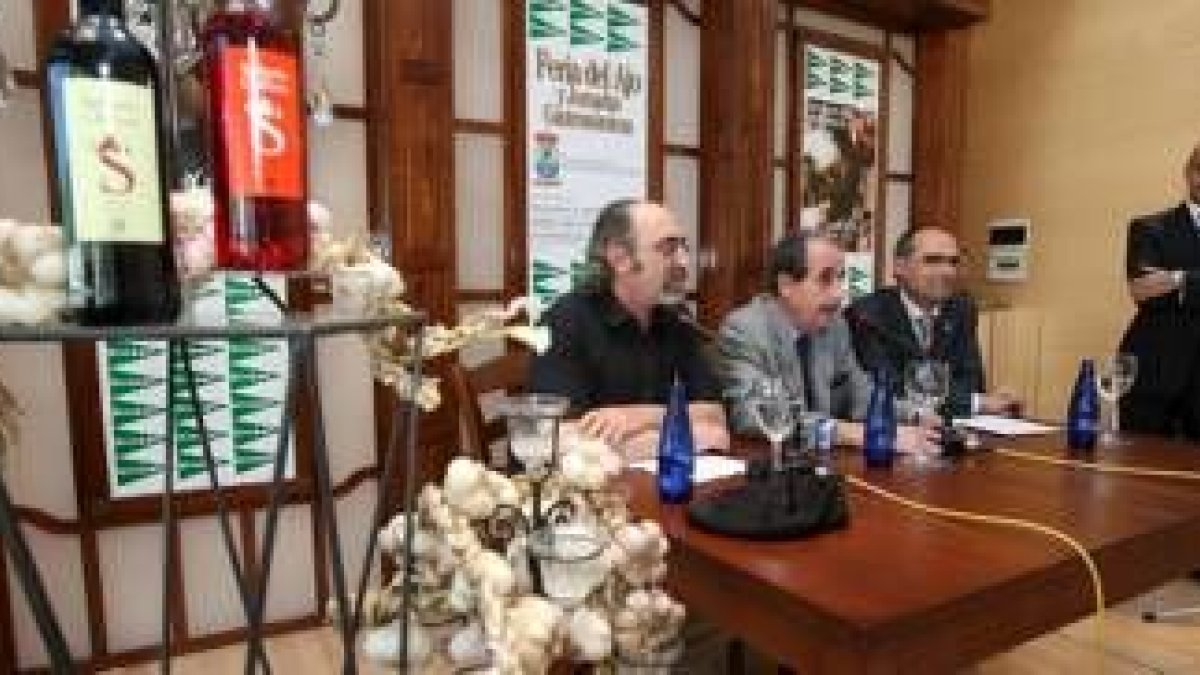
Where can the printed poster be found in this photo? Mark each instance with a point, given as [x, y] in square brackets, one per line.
[587, 88]
[241, 384]
[840, 164]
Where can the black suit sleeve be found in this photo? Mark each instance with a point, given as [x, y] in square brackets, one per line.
[1158, 241]
[1143, 248]
[966, 360]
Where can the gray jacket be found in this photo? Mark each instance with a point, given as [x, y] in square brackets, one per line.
[757, 340]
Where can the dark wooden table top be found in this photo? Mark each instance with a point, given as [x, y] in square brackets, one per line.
[905, 591]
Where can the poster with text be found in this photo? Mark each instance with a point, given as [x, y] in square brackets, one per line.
[240, 385]
[839, 173]
[586, 97]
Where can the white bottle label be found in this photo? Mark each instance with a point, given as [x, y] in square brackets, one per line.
[115, 193]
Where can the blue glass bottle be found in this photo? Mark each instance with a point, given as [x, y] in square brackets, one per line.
[879, 428]
[1083, 413]
[676, 449]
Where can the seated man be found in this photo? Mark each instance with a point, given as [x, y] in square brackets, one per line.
[796, 332]
[618, 343]
[926, 316]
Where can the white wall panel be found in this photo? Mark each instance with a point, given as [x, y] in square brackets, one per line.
[62, 573]
[23, 190]
[348, 399]
[681, 90]
[39, 469]
[293, 589]
[810, 18]
[130, 563]
[906, 47]
[900, 119]
[898, 217]
[213, 603]
[355, 511]
[681, 193]
[479, 59]
[18, 39]
[479, 213]
[338, 174]
[344, 69]
[778, 204]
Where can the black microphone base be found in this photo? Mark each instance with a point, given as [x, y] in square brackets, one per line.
[794, 503]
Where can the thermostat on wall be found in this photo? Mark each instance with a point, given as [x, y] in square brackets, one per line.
[1008, 250]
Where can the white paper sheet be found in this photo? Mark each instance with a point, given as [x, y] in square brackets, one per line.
[1004, 426]
[708, 467]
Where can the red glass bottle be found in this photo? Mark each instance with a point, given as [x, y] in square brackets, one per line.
[257, 131]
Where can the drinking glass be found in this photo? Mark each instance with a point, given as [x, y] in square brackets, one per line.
[774, 412]
[1115, 375]
[926, 386]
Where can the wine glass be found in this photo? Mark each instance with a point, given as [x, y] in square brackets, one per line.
[773, 412]
[926, 385]
[1115, 375]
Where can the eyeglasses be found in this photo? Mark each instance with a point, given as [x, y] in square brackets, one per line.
[671, 246]
[939, 259]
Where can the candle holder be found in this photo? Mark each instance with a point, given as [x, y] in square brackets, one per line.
[570, 558]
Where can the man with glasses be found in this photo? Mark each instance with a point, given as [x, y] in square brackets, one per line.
[795, 333]
[927, 316]
[619, 341]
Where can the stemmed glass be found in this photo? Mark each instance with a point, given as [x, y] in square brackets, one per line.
[1115, 375]
[926, 385]
[774, 413]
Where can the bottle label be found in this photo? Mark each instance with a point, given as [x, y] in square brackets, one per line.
[261, 117]
[115, 189]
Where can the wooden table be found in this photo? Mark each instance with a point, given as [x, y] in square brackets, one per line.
[904, 591]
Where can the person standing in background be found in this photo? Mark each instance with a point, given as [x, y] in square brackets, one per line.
[1162, 268]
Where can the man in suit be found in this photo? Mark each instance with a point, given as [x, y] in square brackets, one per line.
[796, 332]
[926, 316]
[1162, 265]
[619, 342]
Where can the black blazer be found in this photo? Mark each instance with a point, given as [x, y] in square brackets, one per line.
[884, 338]
[1165, 331]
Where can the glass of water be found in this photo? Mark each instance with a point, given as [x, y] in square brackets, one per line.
[775, 414]
[1115, 375]
[926, 386]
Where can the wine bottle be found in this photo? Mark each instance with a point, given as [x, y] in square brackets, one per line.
[1083, 412]
[879, 433]
[257, 131]
[676, 449]
[110, 188]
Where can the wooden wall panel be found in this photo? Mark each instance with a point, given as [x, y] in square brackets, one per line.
[737, 137]
[939, 130]
[410, 131]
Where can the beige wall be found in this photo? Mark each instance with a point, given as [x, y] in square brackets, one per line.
[1080, 114]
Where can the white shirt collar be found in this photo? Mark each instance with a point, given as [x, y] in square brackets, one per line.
[1194, 209]
[914, 310]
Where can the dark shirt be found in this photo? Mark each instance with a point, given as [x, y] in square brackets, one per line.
[599, 355]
